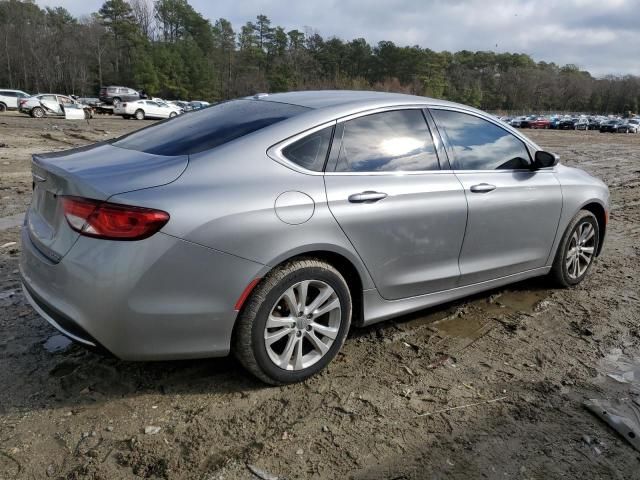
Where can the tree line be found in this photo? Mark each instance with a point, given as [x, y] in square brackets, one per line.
[168, 49]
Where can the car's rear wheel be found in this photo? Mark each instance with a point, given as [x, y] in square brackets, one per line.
[294, 322]
[37, 112]
[172, 114]
[116, 102]
[3, 107]
[139, 115]
[577, 249]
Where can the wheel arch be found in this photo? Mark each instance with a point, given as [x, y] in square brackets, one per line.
[353, 271]
[601, 215]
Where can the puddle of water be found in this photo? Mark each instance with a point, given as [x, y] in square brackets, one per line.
[460, 327]
[480, 311]
[57, 343]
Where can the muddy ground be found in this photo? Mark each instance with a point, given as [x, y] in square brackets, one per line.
[490, 387]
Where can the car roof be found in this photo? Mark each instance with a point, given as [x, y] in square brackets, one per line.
[318, 99]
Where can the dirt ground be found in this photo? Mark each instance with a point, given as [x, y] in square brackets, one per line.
[489, 387]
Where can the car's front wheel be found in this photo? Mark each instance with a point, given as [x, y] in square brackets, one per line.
[37, 112]
[139, 115]
[294, 322]
[577, 249]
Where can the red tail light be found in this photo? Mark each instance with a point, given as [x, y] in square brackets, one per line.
[112, 221]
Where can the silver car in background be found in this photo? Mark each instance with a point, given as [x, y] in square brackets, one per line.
[269, 225]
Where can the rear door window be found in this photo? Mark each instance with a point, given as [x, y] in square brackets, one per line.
[395, 141]
[209, 127]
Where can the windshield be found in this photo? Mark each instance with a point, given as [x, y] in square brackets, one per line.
[208, 128]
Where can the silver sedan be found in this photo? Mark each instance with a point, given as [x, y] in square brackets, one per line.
[269, 225]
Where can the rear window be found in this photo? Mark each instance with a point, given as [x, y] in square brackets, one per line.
[208, 128]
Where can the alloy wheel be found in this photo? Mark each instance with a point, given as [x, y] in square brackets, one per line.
[302, 325]
[581, 250]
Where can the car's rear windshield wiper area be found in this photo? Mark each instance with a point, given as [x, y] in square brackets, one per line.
[208, 128]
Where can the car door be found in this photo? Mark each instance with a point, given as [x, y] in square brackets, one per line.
[52, 107]
[151, 109]
[513, 211]
[404, 215]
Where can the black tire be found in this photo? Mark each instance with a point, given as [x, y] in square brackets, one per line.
[37, 112]
[3, 107]
[139, 115]
[172, 114]
[559, 270]
[126, 117]
[116, 101]
[248, 340]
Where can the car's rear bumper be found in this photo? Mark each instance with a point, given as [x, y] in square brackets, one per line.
[159, 298]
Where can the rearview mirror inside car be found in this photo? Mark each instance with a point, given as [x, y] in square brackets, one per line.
[545, 159]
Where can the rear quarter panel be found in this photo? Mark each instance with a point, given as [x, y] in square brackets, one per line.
[226, 198]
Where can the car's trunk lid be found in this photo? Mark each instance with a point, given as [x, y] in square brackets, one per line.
[95, 172]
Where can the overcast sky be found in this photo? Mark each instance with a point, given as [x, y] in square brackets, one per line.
[602, 36]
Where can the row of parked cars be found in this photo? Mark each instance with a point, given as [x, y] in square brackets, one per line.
[123, 101]
[583, 122]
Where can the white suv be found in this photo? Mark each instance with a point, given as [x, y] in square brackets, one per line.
[9, 99]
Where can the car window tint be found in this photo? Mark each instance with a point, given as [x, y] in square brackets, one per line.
[387, 142]
[9, 94]
[310, 152]
[209, 127]
[478, 144]
[49, 98]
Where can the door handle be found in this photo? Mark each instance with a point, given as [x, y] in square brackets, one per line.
[367, 197]
[482, 188]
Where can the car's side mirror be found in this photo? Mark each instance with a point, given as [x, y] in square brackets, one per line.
[544, 160]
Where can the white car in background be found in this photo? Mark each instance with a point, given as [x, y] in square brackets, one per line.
[9, 99]
[54, 105]
[141, 109]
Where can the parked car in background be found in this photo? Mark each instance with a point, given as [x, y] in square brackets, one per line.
[517, 122]
[197, 105]
[54, 105]
[567, 123]
[629, 126]
[582, 123]
[610, 126]
[268, 226]
[141, 109]
[91, 101]
[116, 95]
[185, 106]
[540, 122]
[594, 123]
[554, 122]
[10, 99]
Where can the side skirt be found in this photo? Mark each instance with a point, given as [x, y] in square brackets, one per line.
[377, 309]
